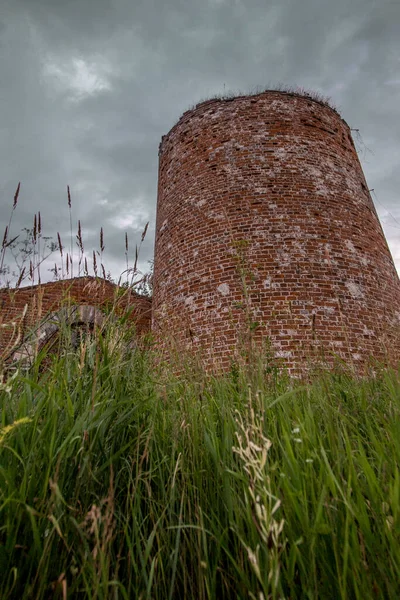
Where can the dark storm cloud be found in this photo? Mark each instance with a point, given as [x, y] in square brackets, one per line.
[88, 88]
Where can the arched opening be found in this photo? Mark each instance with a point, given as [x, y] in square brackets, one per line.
[78, 321]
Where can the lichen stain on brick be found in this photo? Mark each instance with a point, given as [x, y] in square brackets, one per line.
[223, 289]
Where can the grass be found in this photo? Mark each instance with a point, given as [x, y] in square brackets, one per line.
[119, 479]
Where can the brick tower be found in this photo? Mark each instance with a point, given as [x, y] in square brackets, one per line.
[267, 236]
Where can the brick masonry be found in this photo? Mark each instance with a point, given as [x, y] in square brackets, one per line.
[42, 300]
[266, 234]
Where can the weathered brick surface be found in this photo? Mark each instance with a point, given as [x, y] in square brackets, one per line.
[50, 297]
[265, 224]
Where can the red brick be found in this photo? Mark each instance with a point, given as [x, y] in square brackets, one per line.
[265, 197]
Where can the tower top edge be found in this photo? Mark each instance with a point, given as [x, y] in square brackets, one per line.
[307, 96]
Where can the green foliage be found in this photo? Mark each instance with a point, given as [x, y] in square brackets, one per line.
[119, 481]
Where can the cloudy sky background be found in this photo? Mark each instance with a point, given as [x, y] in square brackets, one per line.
[87, 88]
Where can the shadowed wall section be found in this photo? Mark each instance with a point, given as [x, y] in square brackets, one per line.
[266, 233]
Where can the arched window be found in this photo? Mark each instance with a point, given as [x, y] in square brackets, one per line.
[79, 320]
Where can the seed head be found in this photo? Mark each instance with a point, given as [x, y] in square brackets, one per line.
[144, 231]
[16, 195]
[69, 196]
[59, 243]
[4, 243]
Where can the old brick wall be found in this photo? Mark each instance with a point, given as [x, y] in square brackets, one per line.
[50, 297]
[266, 231]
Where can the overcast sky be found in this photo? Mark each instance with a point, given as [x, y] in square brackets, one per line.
[88, 87]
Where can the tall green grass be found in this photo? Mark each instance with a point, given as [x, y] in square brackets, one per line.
[122, 480]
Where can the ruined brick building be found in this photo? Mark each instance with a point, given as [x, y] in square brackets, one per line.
[31, 316]
[267, 237]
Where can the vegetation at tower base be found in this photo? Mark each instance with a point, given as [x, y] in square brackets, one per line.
[119, 479]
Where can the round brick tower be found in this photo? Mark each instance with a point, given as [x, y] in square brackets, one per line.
[267, 236]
